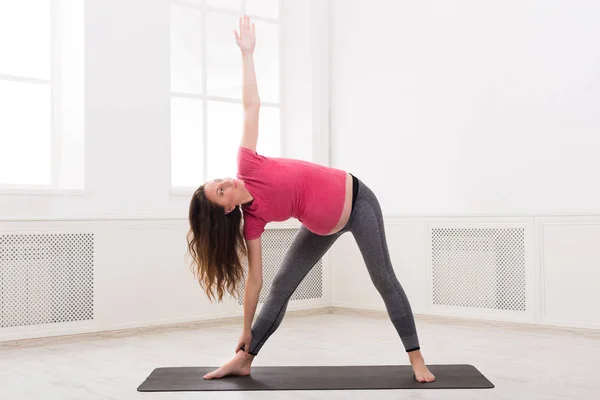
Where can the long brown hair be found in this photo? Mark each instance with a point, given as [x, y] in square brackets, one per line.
[216, 245]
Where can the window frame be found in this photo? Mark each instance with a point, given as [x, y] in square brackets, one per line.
[204, 97]
[54, 84]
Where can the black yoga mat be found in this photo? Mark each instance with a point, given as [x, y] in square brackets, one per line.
[369, 377]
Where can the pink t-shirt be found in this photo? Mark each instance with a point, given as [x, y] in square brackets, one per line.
[283, 188]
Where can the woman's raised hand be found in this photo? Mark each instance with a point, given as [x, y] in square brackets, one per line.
[246, 38]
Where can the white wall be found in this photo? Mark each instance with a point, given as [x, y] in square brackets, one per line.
[472, 114]
[469, 107]
[397, 120]
[305, 77]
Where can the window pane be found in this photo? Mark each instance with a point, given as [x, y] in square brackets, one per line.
[263, 8]
[224, 135]
[25, 135]
[25, 38]
[266, 59]
[186, 50]
[269, 132]
[186, 142]
[235, 5]
[224, 61]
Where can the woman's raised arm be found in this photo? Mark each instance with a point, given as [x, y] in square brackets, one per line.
[246, 40]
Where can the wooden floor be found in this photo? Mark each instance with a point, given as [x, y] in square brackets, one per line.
[524, 362]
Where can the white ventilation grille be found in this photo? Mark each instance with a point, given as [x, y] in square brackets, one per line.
[46, 278]
[478, 267]
[275, 244]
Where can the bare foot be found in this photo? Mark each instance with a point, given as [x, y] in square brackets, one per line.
[238, 365]
[422, 373]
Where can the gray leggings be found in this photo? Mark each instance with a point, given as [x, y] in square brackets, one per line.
[366, 225]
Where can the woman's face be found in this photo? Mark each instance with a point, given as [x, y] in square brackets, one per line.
[225, 192]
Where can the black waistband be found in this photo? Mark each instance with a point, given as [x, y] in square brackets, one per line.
[354, 189]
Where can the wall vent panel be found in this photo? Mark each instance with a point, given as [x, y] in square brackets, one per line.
[275, 244]
[479, 268]
[46, 278]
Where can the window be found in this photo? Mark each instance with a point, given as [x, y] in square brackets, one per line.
[206, 86]
[41, 94]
